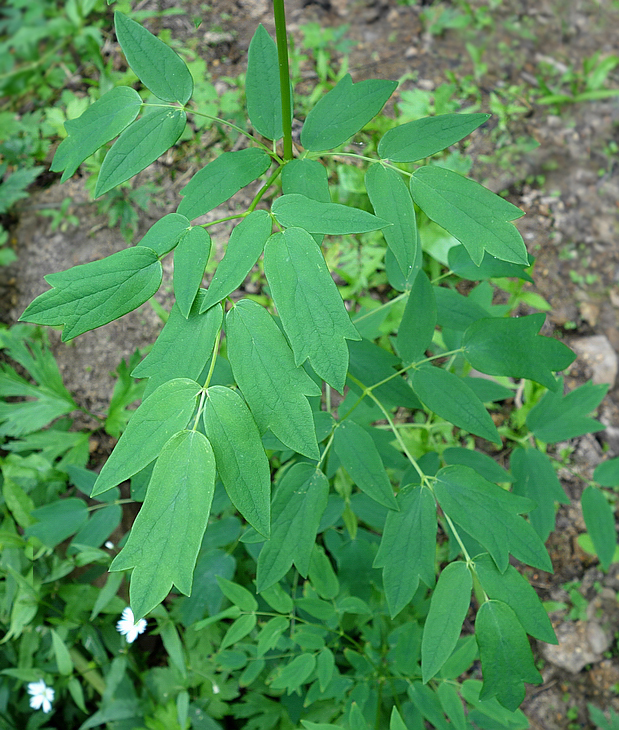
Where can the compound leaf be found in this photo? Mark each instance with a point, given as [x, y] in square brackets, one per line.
[183, 347]
[153, 62]
[270, 633]
[392, 202]
[139, 145]
[309, 178]
[511, 346]
[407, 548]
[483, 464]
[395, 721]
[100, 123]
[356, 720]
[491, 516]
[166, 536]
[262, 90]
[101, 524]
[300, 499]
[239, 629]
[448, 609]
[536, 479]
[311, 309]
[190, 259]
[427, 703]
[600, 521]
[607, 473]
[221, 179]
[61, 654]
[163, 235]
[343, 111]
[306, 177]
[470, 690]
[478, 218]
[418, 321]
[487, 389]
[359, 456]
[238, 595]
[423, 137]
[372, 364]
[506, 657]
[243, 250]
[292, 676]
[461, 264]
[452, 705]
[321, 574]
[27, 416]
[456, 311]
[91, 295]
[158, 418]
[451, 398]
[273, 386]
[242, 465]
[325, 664]
[514, 590]
[57, 520]
[558, 418]
[298, 211]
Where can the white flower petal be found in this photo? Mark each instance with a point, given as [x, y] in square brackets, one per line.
[127, 626]
[42, 696]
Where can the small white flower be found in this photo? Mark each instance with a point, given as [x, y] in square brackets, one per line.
[127, 626]
[109, 544]
[216, 689]
[42, 696]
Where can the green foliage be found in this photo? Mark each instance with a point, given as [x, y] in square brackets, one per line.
[41, 45]
[309, 560]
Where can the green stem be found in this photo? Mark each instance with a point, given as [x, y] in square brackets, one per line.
[467, 557]
[367, 391]
[406, 368]
[211, 370]
[274, 175]
[384, 163]
[223, 220]
[238, 129]
[284, 74]
[94, 507]
[382, 306]
[200, 406]
[326, 451]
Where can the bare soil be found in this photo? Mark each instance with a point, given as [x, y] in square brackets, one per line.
[568, 187]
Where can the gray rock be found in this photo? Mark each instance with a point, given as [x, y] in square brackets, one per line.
[598, 354]
[580, 643]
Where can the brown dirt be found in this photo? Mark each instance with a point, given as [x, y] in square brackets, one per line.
[569, 188]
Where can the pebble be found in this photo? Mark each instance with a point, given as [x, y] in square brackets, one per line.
[598, 354]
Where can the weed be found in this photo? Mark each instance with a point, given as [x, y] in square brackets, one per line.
[61, 218]
[561, 84]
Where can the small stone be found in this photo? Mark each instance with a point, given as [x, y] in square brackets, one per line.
[215, 38]
[597, 353]
[597, 638]
[573, 651]
[589, 312]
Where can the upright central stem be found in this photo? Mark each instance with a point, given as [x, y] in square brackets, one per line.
[284, 74]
